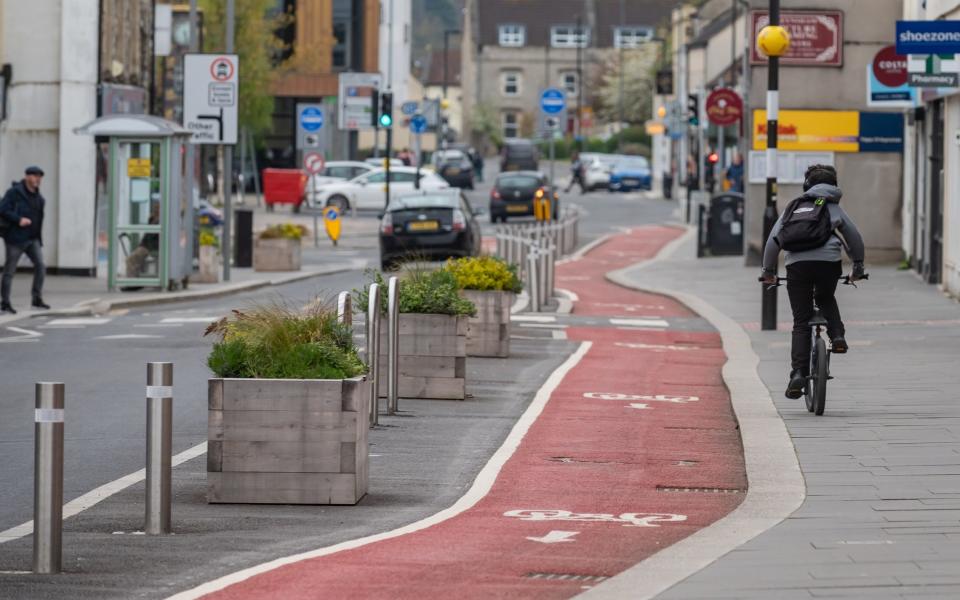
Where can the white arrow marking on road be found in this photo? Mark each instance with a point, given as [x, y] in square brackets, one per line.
[638, 406]
[555, 537]
[26, 335]
[129, 336]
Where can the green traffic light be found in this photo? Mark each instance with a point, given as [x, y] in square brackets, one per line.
[386, 121]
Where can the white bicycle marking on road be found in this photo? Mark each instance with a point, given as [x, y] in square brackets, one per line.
[626, 519]
[657, 398]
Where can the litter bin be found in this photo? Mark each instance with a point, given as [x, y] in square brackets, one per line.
[243, 238]
[721, 226]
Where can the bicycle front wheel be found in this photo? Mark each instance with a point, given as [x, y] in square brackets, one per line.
[820, 376]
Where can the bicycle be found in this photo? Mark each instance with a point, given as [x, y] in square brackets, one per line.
[815, 391]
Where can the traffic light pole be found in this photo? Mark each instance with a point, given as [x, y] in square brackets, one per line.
[769, 293]
[387, 161]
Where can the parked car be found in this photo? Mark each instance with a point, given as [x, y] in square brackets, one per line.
[596, 170]
[378, 162]
[368, 190]
[513, 194]
[431, 225]
[630, 173]
[519, 155]
[455, 167]
[341, 170]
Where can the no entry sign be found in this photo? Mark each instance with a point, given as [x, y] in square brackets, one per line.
[724, 107]
[313, 162]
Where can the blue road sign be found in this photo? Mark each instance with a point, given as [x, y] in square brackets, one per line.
[409, 108]
[418, 124]
[311, 119]
[928, 37]
[332, 214]
[553, 101]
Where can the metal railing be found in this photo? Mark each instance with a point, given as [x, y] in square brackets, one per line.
[535, 248]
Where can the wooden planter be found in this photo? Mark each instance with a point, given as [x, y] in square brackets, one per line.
[433, 357]
[287, 441]
[276, 254]
[209, 266]
[488, 333]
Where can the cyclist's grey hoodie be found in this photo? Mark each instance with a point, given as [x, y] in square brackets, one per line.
[831, 251]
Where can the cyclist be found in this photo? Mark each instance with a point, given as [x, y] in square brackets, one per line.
[812, 230]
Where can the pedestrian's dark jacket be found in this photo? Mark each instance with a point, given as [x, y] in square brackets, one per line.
[17, 203]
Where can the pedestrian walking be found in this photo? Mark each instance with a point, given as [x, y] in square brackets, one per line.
[21, 211]
[576, 173]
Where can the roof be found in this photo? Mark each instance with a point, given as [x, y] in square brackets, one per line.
[131, 126]
[540, 15]
[435, 68]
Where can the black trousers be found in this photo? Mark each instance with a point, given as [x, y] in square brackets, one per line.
[808, 281]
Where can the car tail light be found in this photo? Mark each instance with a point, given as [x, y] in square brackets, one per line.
[495, 194]
[386, 224]
[459, 221]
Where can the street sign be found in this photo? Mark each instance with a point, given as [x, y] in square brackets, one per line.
[138, 167]
[553, 101]
[724, 107]
[410, 107]
[928, 37]
[331, 222]
[311, 118]
[211, 97]
[355, 90]
[418, 124]
[313, 163]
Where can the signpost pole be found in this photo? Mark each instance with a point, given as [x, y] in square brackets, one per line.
[553, 145]
[228, 167]
[416, 181]
[769, 293]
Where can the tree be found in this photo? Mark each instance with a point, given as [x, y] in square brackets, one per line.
[638, 81]
[257, 45]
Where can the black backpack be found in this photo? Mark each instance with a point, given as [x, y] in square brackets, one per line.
[805, 225]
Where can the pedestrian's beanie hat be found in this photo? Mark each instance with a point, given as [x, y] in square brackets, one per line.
[34, 170]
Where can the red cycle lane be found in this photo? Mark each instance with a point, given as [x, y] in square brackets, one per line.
[635, 449]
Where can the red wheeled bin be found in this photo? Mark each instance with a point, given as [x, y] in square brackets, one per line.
[284, 186]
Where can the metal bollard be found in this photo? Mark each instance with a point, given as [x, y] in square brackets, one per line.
[48, 478]
[533, 284]
[393, 346]
[159, 447]
[543, 254]
[549, 272]
[345, 309]
[373, 351]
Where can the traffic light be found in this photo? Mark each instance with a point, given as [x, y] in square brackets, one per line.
[693, 109]
[386, 110]
[375, 108]
[713, 158]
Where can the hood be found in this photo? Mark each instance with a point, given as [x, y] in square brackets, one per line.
[824, 190]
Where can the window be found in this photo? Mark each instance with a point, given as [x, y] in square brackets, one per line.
[570, 36]
[568, 81]
[511, 125]
[402, 177]
[513, 36]
[631, 37]
[378, 177]
[511, 81]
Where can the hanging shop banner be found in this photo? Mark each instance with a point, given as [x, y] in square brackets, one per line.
[928, 37]
[887, 81]
[816, 37]
[724, 107]
[881, 132]
[810, 130]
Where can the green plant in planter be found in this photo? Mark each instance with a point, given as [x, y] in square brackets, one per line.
[279, 342]
[287, 231]
[422, 291]
[485, 273]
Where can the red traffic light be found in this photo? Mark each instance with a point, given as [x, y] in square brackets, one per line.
[713, 157]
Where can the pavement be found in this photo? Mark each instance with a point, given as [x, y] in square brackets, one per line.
[881, 513]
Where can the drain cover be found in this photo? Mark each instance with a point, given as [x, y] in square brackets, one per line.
[568, 577]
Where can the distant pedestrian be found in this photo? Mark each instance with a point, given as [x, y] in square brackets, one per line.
[22, 210]
[576, 173]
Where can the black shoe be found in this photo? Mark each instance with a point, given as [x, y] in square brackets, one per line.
[39, 303]
[7, 308]
[795, 388]
[838, 345]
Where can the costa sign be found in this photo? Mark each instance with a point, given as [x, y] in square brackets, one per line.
[724, 107]
[890, 68]
[816, 37]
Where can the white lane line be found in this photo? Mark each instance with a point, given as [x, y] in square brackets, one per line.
[543, 325]
[640, 322]
[533, 318]
[158, 325]
[480, 488]
[26, 335]
[559, 334]
[129, 336]
[81, 321]
[182, 320]
[566, 301]
[100, 494]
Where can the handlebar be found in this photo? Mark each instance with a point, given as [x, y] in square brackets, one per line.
[846, 280]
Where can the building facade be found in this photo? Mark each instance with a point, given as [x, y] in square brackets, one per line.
[514, 50]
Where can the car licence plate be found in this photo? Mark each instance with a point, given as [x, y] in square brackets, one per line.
[631, 181]
[453, 171]
[423, 226]
[517, 208]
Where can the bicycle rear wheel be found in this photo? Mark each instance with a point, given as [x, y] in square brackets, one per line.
[820, 376]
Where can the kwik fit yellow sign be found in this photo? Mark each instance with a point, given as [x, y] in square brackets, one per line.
[814, 130]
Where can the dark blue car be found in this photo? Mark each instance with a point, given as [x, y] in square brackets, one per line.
[630, 173]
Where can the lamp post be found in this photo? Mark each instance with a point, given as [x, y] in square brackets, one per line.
[773, 41]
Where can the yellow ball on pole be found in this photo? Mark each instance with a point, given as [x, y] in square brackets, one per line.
[773, 41]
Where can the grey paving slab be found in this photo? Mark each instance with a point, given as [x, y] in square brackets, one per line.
[888, 445]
